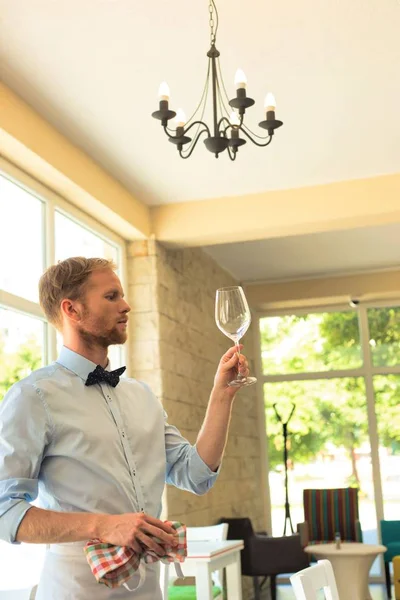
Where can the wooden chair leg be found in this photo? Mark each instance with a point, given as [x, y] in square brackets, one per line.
[387, 576]
[257, 594]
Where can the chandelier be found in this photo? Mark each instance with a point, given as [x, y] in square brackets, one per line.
[227, 125]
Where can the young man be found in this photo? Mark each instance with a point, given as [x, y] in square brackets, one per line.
[97, 449]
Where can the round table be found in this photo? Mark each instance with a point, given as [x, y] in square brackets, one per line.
[351, 565]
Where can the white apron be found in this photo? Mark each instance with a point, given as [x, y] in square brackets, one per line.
[67, 575]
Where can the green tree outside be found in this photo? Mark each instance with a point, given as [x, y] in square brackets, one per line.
[330, 413]
[17, 365]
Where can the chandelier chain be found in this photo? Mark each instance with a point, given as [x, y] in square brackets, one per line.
[212, 9]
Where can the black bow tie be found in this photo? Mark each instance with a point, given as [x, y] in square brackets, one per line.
[100, 374]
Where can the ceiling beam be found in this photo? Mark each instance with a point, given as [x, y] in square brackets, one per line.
[333, 206]
[32, 144]
[365, 287]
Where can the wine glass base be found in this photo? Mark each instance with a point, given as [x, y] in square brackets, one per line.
[242, 382]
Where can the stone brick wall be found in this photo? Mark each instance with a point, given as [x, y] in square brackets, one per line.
[175, 346]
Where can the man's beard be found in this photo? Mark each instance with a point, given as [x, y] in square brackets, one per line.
[98, 336]
[102, 339]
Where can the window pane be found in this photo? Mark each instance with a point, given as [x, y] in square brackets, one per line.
[21, 347]
[20, 240]
[387, 402]
[21, 351]
[72, 239]
[384, 334]
[328, 446]
[313, 342]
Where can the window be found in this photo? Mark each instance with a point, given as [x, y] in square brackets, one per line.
[20, 271]
[341, 372]
[38, 229]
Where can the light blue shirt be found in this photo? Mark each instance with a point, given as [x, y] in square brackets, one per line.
[88, 448]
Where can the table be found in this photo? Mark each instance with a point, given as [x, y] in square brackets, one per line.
[351, 565]
[205, 557]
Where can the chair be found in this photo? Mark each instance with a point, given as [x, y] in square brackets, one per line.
[188, 592]
[307, 583]
[265, 556]
[390, 533]
[327, 512]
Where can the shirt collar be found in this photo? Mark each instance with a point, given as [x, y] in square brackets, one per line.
[77, 363]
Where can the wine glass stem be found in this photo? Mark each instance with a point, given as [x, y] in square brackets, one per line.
[239, 376]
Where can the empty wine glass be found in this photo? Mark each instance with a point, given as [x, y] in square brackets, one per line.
[233, 318]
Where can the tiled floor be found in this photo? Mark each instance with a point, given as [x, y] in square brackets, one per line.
[378, 592]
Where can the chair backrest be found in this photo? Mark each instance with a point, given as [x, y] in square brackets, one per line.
[241, 528]
[390, 531]
[332, 510]
[210, 533]
[307, 583]
[238, 528]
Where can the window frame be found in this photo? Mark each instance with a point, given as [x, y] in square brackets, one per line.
[52, 202]
[367, 371]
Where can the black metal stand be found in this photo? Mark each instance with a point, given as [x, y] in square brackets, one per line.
[285, 456]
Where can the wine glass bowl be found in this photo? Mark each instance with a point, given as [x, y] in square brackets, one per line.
[233, 318]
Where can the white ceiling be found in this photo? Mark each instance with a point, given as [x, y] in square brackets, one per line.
[92, 68]
[319, 254]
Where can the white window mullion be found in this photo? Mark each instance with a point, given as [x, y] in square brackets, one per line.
[50, 259]
[372, 420]
[393, 370]
[335, 374]
[123, 253]
[22, 305]
[262, 426]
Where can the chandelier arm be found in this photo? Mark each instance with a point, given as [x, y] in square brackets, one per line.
[201, 119]
[254, 141]
[260, 137]
[194, 144]
[223, 87]
[204, 94]
[197, 123]
[232, 155]
[175, 137]
[222, 106]
[222, 119]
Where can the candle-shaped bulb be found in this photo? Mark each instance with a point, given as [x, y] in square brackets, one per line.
[180, 118]
[234, 119]
[269, 102]
[240, 79]
[163, 91]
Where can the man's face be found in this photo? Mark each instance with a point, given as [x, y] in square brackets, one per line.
[104, 312]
